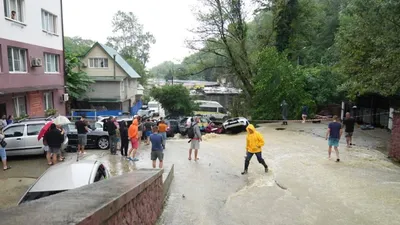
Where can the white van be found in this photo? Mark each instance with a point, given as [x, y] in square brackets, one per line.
[211, 109]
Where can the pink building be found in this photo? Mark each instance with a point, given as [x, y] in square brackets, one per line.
[31, 57]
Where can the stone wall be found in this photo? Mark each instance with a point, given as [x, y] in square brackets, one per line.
[144, 209]
[135, 198]
[395, 140]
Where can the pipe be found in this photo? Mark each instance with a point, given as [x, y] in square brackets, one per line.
[115, 76]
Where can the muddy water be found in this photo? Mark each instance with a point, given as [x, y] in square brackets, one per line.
[303, 186]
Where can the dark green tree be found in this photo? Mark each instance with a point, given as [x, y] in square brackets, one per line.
[175, 99]
[78, 82]
[369, 46]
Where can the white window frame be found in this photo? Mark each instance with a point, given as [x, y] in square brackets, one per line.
[47, 96]
[54, 65]
[22, 59]
[49, 22]
[99, 59]
[19, 10]
[17, 109]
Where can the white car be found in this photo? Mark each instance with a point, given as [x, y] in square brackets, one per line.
[66, 176]
[236, 123]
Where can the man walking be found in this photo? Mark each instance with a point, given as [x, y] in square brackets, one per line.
[333, 134]
[82, 128]
[162, 129]
[156, 148]
[349, 123]
[284, 107]
[304, 113]
[254, 143]
[112, 133]
[54, 138]
[195, 137]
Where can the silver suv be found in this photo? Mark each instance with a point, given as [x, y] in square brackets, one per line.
[21, 137]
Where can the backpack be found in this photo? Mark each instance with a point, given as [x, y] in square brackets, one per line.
[105, 125]
[190, 131]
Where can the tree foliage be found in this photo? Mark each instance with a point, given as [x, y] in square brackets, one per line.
[369, 46]
[277, 79]
[175, 99]
[223, 32]
[77, 45]
[78, 82]
[132, 42]
[130, 39]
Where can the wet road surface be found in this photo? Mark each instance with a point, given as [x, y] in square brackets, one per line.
[302, 187]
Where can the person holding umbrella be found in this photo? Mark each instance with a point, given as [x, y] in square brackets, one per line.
[54, 138]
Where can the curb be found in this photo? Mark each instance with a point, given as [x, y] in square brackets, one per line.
[168, 176]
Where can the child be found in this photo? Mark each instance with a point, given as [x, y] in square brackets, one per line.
[156, 147]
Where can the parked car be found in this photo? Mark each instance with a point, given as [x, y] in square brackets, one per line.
[66, 176]
[202, 125]
[173, 125]
[95, 139]
[236, 124]
[21, 137]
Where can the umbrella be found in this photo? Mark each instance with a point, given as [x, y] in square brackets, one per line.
[44, 129]
[61, 120]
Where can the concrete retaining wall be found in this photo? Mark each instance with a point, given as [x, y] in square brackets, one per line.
[395, 140]
[134, 198]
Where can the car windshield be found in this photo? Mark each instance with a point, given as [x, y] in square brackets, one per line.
[30, 196]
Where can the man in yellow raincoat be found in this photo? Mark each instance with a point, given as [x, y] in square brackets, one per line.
[254, 142]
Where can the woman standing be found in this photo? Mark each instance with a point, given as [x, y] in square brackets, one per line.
[3, 154]
[123, 127]
[10, 119]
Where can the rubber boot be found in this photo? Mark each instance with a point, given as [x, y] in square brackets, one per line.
[246, 167]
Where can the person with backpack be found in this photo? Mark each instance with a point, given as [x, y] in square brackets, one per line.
[195, 137]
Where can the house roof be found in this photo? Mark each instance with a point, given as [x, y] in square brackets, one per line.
[119, 60]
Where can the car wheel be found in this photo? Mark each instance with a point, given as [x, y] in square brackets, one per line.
[103, 143]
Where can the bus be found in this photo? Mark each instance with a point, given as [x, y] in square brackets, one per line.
[211, 109]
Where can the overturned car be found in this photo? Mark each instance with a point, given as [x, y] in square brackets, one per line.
[236, 125]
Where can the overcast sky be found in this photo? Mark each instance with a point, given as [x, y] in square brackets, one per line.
[167, 20]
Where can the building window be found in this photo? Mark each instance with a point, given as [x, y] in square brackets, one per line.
[48, 100]
[14, 9]
[20, 106]
[49, 22]
[51, 63]
[98, 63]
[17, 59]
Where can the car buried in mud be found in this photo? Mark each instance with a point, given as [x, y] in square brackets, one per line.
[66, 176]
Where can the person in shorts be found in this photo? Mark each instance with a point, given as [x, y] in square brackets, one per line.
[162, 130]
[133, 135]
[333, 136]
[148, 126]
[304, 113]
[349, 123]
[156, 148]
[3, 153]
[55, 139]
[82, 128]
[195, 141]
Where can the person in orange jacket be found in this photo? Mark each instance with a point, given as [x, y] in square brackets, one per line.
[133, 135]
[254, 143]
